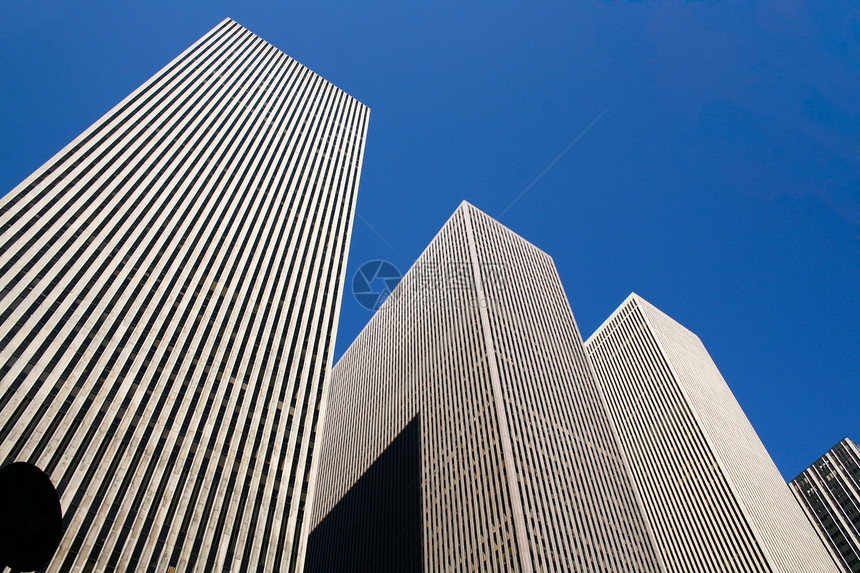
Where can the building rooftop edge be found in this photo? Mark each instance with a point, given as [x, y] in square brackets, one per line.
[462, 207]
[612, 315]
[464, 204]
[231, 20]
[816, 460]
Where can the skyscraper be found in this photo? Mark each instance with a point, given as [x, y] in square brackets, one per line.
[829, 492]
[169, 290]
[464, 431]
[715, 499]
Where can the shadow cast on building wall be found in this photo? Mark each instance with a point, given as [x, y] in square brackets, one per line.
[377, 526]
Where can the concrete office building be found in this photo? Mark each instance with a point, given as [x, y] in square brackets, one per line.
[829, 491]
[464, 431]
[714, 498]
[169, 290]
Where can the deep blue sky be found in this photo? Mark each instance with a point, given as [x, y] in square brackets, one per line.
[721, 182]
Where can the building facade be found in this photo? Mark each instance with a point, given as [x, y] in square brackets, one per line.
[169, 290]
[829, 492]
[463, 428]
[714, 498]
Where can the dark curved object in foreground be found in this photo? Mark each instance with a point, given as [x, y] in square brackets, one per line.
[30, 517]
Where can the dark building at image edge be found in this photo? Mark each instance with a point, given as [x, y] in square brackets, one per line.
[829, 492]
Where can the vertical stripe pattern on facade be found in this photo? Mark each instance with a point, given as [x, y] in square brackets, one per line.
[520, 470]
[169, 286]
[715, 500]
[829, 492]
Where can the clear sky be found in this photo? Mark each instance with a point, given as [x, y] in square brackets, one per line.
[704, 155]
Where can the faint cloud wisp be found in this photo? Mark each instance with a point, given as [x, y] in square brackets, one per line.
[552, 163]
[371, 227]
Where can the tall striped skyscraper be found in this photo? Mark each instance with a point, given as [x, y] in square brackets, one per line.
[169, 291]
[715, 499]
[464, 431]
[829, 492]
